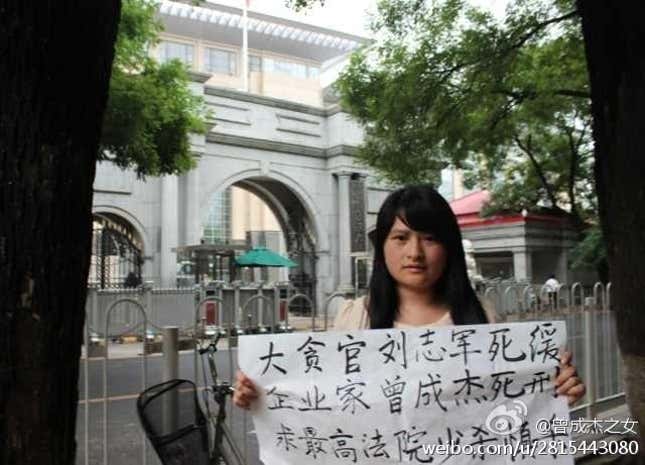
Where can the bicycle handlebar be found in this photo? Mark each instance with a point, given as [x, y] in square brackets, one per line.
[212, 346]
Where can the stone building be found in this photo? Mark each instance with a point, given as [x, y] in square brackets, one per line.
[274, 136]
[523, 246]
[276, 168]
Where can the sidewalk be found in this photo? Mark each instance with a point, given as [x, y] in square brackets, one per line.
[618, 413]
[133, 350]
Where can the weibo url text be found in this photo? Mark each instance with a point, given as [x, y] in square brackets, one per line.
[536, 448]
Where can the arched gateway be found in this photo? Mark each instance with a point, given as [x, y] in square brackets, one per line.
[282, 139]
[305, 175]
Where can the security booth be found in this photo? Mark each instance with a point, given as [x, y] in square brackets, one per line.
[203, 263]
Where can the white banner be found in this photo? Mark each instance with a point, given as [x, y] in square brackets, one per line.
[454, 395]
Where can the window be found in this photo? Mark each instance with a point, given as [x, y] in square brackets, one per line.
[218, 220]
[289, 68]
[313, 72]
[292, 69]
[219, 61]
[175, 50]
[255, 63]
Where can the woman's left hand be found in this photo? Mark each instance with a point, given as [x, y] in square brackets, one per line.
[567, 382]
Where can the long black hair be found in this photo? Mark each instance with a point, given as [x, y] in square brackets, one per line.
[422, 209]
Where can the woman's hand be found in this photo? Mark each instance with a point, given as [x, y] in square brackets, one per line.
[567, 382]
[245, 392]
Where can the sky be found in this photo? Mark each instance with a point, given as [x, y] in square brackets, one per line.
[350, 16]
[342, 15]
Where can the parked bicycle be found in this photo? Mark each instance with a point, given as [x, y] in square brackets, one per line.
[175, 423]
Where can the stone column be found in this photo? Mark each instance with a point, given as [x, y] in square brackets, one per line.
[523, 268]
[344, 264]
[562, 269]
[358, 212]
[192, 226]
[169, 231]
[324, 279]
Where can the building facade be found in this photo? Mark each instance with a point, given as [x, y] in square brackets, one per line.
[276, 168]
[525, 247]
[273, 136]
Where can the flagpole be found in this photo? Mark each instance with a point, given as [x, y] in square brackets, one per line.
[245, 47]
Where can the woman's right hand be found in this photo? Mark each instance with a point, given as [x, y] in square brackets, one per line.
[245, 392]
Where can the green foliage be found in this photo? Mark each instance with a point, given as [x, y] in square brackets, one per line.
[449, 85]
[150, 111]
[302, 4]
[138, 31]
[591, 253]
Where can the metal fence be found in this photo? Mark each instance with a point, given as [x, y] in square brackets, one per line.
[246, 308]
[113, 374]
[591, 333]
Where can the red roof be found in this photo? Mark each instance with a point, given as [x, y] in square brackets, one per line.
[468, 208]
[471, 203]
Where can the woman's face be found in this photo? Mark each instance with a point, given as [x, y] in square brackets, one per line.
[414, 259]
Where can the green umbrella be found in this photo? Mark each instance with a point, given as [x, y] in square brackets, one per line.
[261, 256]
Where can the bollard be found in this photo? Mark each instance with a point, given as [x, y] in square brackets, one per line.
[170, 353]
[170, 371]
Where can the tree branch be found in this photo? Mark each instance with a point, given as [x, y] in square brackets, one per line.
[572, 93]
[526, 148]
[583, 133]
[539, 26]
[503, 113]
[531, 94]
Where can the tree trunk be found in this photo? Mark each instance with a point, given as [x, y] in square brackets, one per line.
[55, 57]
[614, 42]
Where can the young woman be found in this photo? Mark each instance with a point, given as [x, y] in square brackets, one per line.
[419, 279]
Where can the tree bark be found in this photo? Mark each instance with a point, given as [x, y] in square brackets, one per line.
[614, 42]
[55, 57]
[571, 182]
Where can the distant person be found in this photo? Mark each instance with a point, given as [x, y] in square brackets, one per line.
[551, 285]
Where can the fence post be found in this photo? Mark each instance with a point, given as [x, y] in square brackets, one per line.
[260, 312]
[490, 290]
[144, 378]
[526, 300]
[590, 362]
[563, 291]
[328, 300]
[92, 296]
[575, 286]
[147, 293]
[234, 318]
[276, 309]
[599, 289]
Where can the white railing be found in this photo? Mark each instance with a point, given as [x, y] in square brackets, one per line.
[118, 315]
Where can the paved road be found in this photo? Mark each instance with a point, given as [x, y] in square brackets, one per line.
[124, 438]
